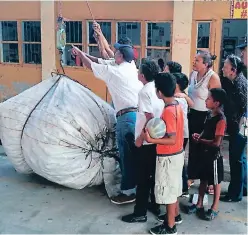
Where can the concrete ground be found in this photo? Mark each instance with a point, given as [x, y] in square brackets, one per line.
[30, 204]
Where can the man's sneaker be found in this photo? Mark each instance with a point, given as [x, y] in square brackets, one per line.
[193, 209]
[178, 219]
[132, 218]
[211, 214]
[123, 199]
[185, 194]
[154, 208]
[163, 229]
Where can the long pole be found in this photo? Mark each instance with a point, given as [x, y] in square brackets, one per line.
[90, 10]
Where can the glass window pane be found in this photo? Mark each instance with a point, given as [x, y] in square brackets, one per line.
[157, 54]
[32, 53]
[159, 34]
[94, 51]
[130, 30]
[10, 53]
[234, 33]
[31, 31]
[68, 59]
[74, 32]
[106, 29]
[203, 35]
[9, 31]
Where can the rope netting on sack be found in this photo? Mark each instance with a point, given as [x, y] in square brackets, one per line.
[62, 131]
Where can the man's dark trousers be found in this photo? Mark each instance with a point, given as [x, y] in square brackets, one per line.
[238, 166]
[146, 165]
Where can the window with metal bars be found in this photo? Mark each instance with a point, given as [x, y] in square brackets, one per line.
[203, 34]
[9, 42]
[92, 45]
[74, 36]
[31, 37]
[158, 44]
[132, 30]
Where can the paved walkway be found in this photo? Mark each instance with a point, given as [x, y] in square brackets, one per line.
[31, 204]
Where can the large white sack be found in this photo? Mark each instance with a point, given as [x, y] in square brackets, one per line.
[63, 132]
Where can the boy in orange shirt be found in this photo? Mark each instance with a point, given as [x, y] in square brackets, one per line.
[170, 155]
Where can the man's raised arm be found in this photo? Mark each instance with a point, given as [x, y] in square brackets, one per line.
[105, 48]
[75, 51]
[101, 46]
[86, 59]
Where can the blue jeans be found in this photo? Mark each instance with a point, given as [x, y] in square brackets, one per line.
[238, 166]
[126, 144]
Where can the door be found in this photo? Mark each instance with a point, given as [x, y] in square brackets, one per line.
[234, 32]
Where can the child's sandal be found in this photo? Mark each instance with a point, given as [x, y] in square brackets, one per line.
[193, 209]
[211, 214]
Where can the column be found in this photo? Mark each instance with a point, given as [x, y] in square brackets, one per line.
[48, 37]
[181, 38]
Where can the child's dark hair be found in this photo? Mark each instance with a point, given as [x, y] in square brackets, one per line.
[161, 64]
[218, 95]
[125, 40]
[182, 81]
[166, 84]
[174, 67]
[150, 69]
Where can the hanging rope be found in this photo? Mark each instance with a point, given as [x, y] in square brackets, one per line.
[61, 35]
[61, 61]
[60, 74]
[60, 9]
[92, 16]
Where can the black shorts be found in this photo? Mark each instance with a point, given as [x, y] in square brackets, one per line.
[212, 167]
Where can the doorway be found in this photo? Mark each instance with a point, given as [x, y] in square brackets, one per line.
[234, 32]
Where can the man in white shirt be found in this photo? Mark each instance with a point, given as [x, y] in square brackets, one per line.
[149, 106]
[121, 78]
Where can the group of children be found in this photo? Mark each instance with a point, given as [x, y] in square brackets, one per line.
[161, 172]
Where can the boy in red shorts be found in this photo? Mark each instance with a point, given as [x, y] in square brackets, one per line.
[170, 155]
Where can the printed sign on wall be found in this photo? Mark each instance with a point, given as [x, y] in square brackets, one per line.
[239, 9]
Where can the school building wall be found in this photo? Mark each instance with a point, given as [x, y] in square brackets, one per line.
[183, 15]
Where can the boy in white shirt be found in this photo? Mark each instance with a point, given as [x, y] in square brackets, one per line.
[149, 106]
[186, 103]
